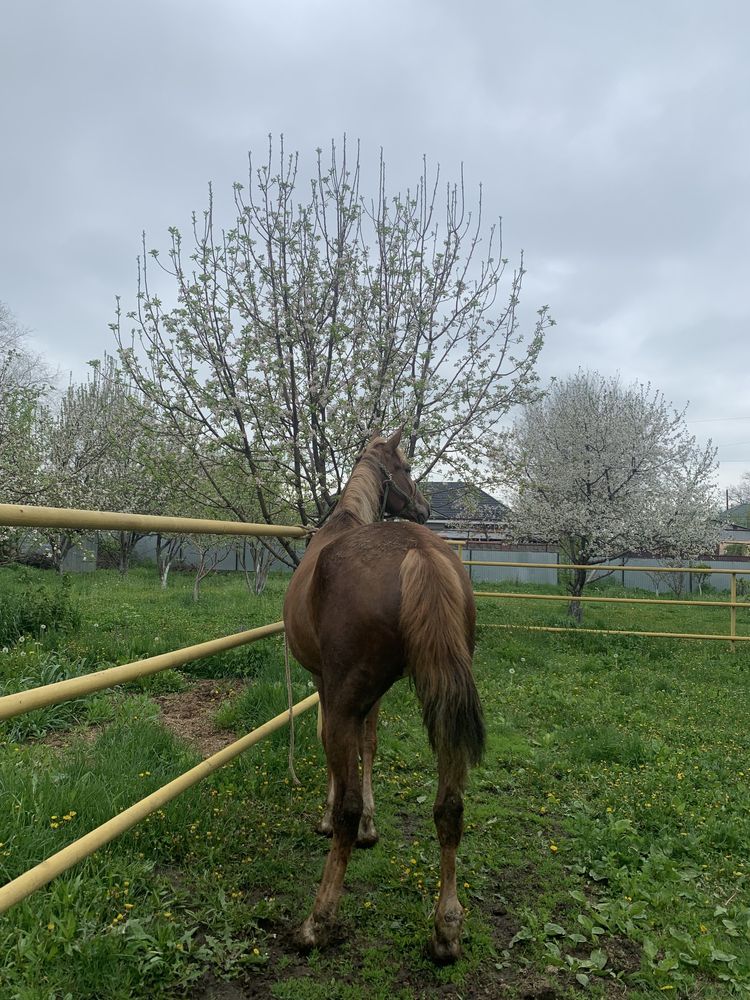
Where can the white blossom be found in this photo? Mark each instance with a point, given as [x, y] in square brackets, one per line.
[604, 470]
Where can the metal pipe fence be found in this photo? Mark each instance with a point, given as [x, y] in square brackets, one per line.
[75, 687]
[28, 516]
[731, 605]
[13, 892]
[15, 704]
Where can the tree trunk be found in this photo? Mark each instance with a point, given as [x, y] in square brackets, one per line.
[124, 559]
[575, 589]
[262, 557]
[166, 553]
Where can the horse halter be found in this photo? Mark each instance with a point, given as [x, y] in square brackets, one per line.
[390, 484]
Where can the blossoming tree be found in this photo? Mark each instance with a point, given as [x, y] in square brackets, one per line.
[604, 469]
[318, 317]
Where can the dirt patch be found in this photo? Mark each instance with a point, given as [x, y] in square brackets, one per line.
[411, 824]
[624, 955]
[189, 714]
[211, 988]
[61, 739]
[284, 963]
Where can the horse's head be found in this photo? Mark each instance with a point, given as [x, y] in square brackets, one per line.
[400, 496]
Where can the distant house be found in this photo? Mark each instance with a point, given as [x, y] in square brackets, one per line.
[462, 510]
[735, 530]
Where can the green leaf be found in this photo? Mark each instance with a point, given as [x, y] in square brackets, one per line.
[524, 934]
[598, 958]
[650, 949]
[721, 956]
[555, 930]
[668, 963]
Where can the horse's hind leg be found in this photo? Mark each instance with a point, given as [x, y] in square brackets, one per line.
[367, 836]
[325, 826]
[448, 813]
[342, 738]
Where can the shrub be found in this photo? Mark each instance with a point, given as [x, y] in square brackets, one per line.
[33, 607]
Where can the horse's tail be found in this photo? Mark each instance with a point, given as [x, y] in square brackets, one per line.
[437, 621]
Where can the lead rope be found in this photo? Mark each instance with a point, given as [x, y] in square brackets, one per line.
[290, 701]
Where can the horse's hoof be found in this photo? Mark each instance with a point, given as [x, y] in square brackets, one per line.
[365, 843]
[443, 951]
[367, 835]
[445, 946]
[310, 935]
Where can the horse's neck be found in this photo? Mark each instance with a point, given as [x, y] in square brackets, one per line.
[359, 504]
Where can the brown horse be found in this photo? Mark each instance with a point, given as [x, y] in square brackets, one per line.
[370, 603]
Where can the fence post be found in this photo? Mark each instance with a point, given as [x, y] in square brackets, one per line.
[733, 609]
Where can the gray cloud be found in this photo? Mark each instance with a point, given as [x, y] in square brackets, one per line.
[613, 139]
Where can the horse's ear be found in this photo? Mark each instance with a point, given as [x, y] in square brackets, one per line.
[393, 440]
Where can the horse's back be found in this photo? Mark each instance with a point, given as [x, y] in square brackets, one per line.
[344, 600]
[357, 578]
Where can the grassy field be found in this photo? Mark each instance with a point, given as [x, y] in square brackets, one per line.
[607, 831]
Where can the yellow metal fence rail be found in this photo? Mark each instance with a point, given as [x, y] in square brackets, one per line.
[731, 605]
[21, 887]
[28, 516]
[75, 687]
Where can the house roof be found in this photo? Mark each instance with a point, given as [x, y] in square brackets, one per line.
[462, 502]
[738, 515]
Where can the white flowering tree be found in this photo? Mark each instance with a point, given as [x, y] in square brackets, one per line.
[604, 469]
[25, 379]
[20, 366]
[320, 315]
[75, 442]
[145, 473]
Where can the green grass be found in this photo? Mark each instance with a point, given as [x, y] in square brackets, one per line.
[606, 834]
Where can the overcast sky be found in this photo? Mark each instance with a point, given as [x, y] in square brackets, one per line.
[612, 137]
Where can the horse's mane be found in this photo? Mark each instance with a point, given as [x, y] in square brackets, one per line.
[361, 496]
